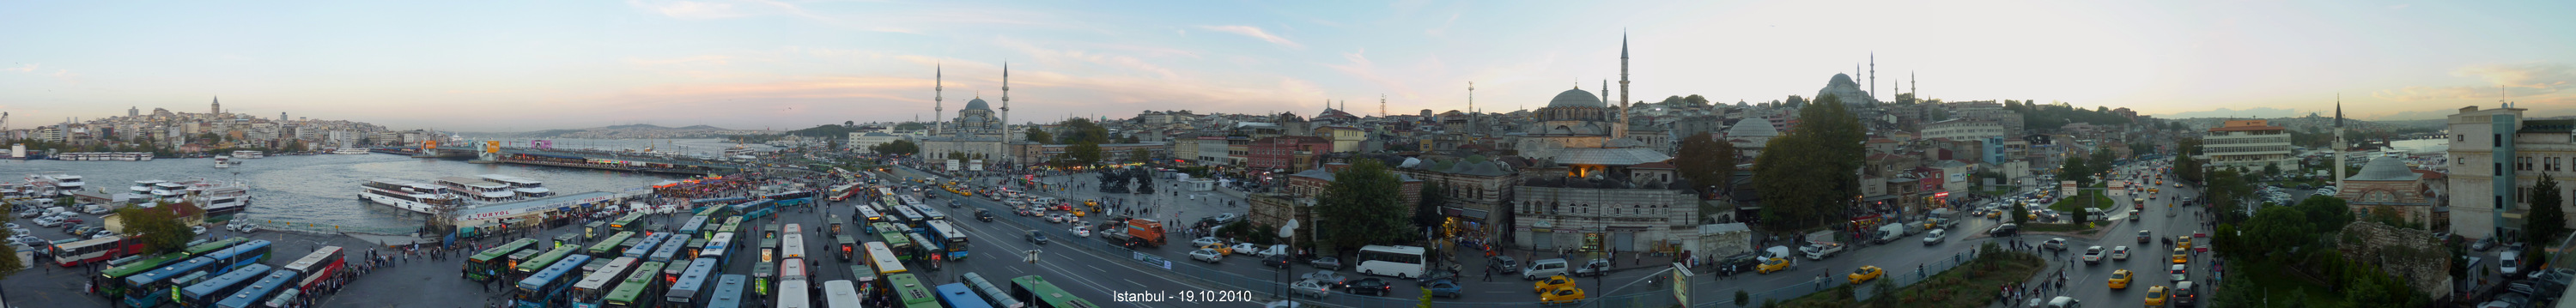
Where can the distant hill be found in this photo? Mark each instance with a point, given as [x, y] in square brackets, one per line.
[635, 131]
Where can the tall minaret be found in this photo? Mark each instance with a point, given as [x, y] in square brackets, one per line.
[1873, 77]
[2340, 150]
[1471, 109]
[938, 94]
[1913, 84]
[1006, 112]
[1620, 129]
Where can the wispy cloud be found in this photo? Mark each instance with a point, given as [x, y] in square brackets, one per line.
[2538, 81]
[30, 67]
[1256, 32]
[1366, 70]
[690, 9]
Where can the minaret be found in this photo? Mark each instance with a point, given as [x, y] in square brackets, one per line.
[1913, 84]
[1006, 112]
[2340, 150]
[1620, 129]
[1873, 77]
[1471, 107]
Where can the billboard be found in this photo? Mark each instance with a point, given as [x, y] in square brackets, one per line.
[975, 165]
[952, 165]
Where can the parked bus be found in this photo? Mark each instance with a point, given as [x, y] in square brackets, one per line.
[793, 229]
[899, 242]
[929, 214]
[608, 248]
[627, 222]
[909, 292]
[883, 259]
[731, 225]
[791, 294]
[491, 262]
[992, 293]
[712, 211]
[840, 294]
[958, 295]
[904, 215]
[691, 228]
[764, 267]
[684, 292]
[720, 249]
[1398, 261]
[148, 289]
[728, 292]
[644, 248]
[639, 289]
[540, 262]
[211, 247]
[676, 265]
[792, 246]
[1045, 295]
[205, 293]
[258, 291]
[845, 247]
[929, 250]
[950, 237]
[541, 287]
[118, 273]
[318, 267]
[593, 288]
[869, 213]
[691, 250]
[95, 250]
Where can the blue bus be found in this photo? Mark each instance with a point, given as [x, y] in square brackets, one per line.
[728, 293]
[796, 201]
[205, 293]
[540, 289]
[644, 248]
[691, 228]
[949, 237]
[720, 249]
[260, 290]
[152, 288]
[801, 194]
[928, 213]
[957, 295]
[717, 200]
[668, 249]
[992, 293]
[684, 292]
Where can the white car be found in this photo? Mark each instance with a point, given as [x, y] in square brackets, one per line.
[2120, 253]
[1080, 232]
[1933, 237]
[1311, 288]
[249, 228]
[200, 230]
[1247, 249]
[1204, 241]
[1209, 255]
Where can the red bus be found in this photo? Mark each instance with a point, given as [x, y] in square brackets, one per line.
[75, 253]
[322, 266]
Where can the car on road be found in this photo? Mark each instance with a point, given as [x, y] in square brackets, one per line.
[2183, 242]
[2004, 230]
[983, 215]
[2179, 273]
[1081, 232]
[1275, 261]
[1245, 248]
[2483, 244]
[1371, 286]
[1773, 265]
[1543, 268]
[1596, 267]
[2182, 294]
[1933, 237]
[2156, 296]
[1326, 263]
[1204, 241]
[1330, 279]
[1865, 273]
[1503, 264]
[2510, 263]
[1220, 248]
[2120, 279]
[2143, 235]
[2120, 253]
[1567, 294]
[1443, 288]
[2181, 256]
[1312, 288]
[2093, 255]
[1209, 255]
[2057, 243]
[1036, 237]
[1551, 283]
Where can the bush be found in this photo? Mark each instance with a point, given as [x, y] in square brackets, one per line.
[1741, 297]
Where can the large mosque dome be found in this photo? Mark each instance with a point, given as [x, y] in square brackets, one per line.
[1576, 98]
[977, 104]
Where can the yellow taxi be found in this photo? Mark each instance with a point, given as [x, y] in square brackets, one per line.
[1994, 214]
[1220, 249]
[1551, 283]
[1865, 273]
[2120, 279]
[2181, 256]
[1079, 213]
[1565, 294]
[2156, 296]
[1773, 265]
[2183, 242]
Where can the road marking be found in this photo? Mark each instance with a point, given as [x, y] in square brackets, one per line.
[1138, 285]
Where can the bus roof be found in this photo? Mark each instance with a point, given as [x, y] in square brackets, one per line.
[633, 288]
[538, 280]
[958, 295]
[549, 258]
[208, 247]
[257, 290]
[306, 264]
[145, 265]
[909, 290]
[600, 279]
[728, 291]
[496, 252]
[225, 281]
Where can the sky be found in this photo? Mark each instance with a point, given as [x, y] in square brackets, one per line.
[532, 65]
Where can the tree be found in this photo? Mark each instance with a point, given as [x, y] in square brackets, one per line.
[1082, 154]
[1704, 160]
[1740, 296]
[910, 126]
[2102, 160]
[849, 123]
[1039, 136]
[2020, 213]
[898, 147]
[2546, 220]
[160, 229]
[9, 262]
[1139, 155]
[1803, 176]
[1427, 213]
[2272, 169]
[1362, 207]
[2074, 169]
[1080, 130]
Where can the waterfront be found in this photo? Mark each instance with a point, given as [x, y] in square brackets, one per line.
[321, 190]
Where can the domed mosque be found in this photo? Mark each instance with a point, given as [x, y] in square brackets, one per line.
[977, 132]
[1584, 132]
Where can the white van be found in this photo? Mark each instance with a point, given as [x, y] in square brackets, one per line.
[1543, 269]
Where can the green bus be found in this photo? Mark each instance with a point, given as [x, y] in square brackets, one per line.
[731, 225]
[900, 242]
[211, 247]
[1046, 294]
[608, 248]
[626, 223]
[638, 289]
[118, 273]
[488, 264]
[909, 291]
[713, 211]
[541, 261]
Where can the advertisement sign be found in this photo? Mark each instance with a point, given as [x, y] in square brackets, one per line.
[2067, 188]
[952, 165]
[975, 165]
[492, 146]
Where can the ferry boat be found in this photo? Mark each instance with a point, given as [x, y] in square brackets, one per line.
[103, 156]
[526, 188]
[349, 151]
[223, 161]
[218, 198]
[477, 191]
[408, 195]
[53, 185]
[173, 192]
[144, 186]
[249, 154]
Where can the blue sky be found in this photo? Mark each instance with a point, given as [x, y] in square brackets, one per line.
[527, 65]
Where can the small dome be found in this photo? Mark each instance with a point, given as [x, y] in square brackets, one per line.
[2385, 169]
[1576, 98]
[1753, 127]
[977, 104]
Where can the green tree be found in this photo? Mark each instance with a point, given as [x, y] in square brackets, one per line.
[1806, 175]
[1139, 155]
[898, 147]
[1704, 160]
[1080, 130]
[2547, 221]
[1081, 154]
[9, 262]
[160, 229]
[2102, 160]
[2074, 169]
[2272, 169]
[1740, 296]
[1427, 213]
[2020, 213]
[1039, 136]
[1363, 206]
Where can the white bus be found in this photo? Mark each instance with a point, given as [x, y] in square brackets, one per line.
[1398, 261]
[791, 246]
[840, 294]
[791, 294]
[883, 259]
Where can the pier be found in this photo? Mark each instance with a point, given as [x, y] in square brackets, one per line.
[603, 160]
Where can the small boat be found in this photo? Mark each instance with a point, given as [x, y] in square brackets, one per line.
[349, 151]
[223, 161]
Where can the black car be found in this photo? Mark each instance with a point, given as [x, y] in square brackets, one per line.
[1369, 286]
[1278, 261]
[983, 215]
[2006, 230]
[1503, 264]
[1038, 238]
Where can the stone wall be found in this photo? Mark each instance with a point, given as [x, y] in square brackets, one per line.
[2414, 255]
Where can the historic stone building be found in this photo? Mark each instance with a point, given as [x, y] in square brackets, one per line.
[2386, 184]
